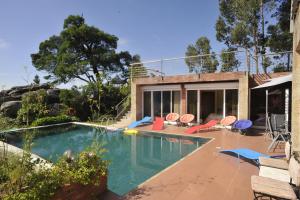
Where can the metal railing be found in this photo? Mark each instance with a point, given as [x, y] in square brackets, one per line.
[122, 107]
[231, 61]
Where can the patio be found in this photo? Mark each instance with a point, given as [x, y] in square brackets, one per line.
[205, 174]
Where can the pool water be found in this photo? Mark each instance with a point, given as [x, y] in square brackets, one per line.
[133, 158]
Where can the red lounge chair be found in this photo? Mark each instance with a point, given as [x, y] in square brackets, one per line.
[195, 129]
[158, 124]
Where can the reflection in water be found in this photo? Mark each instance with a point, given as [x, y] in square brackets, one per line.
[133, 158]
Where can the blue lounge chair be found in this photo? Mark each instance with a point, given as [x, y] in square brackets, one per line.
[249, 154]
[142, 121]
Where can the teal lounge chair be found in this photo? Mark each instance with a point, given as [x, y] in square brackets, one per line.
[249, 154]
[140, 122]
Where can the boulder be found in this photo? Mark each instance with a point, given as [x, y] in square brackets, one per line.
[53, 96]
[9, 98]
[10, 108]
[19, 90]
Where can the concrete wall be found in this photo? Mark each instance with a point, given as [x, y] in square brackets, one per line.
[244, 97]
[296, 83]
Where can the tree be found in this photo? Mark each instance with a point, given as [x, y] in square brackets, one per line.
[229, 61]
[81, 52]
[36, 79]
[204, 61]
[241, 24]
[279, 38]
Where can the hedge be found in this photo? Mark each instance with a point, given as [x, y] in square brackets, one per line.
[53, 120]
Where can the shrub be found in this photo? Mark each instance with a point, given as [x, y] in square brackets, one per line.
[21, 179]
[7, 123]
[33, 106]
[53, 120]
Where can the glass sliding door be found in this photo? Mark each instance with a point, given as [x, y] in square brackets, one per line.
[147, 104]
[157, 103]
[231, 102]
[166, 103]
[176, 102]
[192, 102]
[219, 103]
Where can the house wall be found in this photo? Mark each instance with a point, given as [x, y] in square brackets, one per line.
[244, 98]
[138, 83]
[296, 79]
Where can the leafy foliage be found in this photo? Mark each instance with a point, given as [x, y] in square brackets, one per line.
[80, 52]
[23, 178]
[33, 106]
[53, 120]
[241, 24]
[229, 61]
[8, 123]
[205, 63]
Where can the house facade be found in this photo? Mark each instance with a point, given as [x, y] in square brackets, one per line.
[206, 96]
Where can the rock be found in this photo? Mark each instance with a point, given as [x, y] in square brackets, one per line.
[54, 109]
[53, 96]
[9, 98]
[19, 90]
[10, 108]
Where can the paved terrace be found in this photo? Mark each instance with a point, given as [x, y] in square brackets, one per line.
[205, 174]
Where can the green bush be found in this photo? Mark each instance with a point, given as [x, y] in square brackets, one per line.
[8, 123]
[33, 106]
[53, 120]
[20, 179]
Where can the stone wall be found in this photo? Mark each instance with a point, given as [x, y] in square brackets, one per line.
[296, 79]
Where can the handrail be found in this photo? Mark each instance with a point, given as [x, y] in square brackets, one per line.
[121, 107]
[121, 102]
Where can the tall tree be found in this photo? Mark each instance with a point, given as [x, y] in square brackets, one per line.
[205, 60]
[279, 38]
[241, 25]
[229, 60]
[80, 52]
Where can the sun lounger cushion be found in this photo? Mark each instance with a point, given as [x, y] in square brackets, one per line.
[187, 118]
[271, 187]
[227, 121]
[273, 162]
[274, 173]
[172, 117]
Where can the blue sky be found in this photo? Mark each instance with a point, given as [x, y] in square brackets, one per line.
[154, 29]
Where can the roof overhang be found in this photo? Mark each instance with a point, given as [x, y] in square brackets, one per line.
[276, 81]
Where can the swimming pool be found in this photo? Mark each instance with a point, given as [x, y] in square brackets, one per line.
[133, 158]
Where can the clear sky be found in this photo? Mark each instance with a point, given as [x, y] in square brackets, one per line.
[153, 29]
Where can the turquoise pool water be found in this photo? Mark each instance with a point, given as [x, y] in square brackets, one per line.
[134, 158]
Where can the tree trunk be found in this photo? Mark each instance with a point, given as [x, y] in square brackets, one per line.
[288, 62]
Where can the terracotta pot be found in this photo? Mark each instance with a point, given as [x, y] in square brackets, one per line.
[77, 191]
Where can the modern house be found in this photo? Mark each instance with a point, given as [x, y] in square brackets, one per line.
[206, 96]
